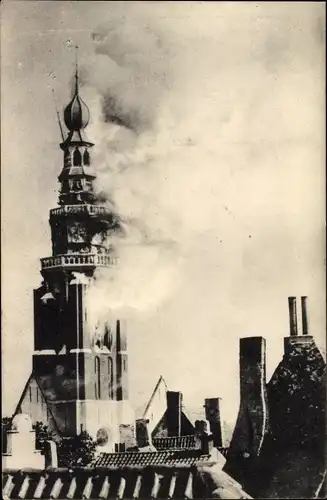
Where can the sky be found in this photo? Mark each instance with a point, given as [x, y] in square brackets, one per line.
[208, 126]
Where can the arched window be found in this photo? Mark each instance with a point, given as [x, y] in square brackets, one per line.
[64, 186]
[67, 158]
[107, 339]
[97, 377]
[77, 158]
[86, 157]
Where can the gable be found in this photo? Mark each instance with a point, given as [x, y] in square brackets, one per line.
[157, 405]
[161, 429]
[34, 404]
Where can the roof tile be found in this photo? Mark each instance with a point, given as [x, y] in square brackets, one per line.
[126, 482]
[174, 443]
[168, 457]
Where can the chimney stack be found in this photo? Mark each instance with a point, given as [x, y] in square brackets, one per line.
[212, 414]
[143, 436]
[51, 456]
[293, 316]
[305, 328]
[203, 437]
[252, 421]
[174, 413]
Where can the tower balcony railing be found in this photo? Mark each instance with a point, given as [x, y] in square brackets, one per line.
[78, 260]
[80, 209]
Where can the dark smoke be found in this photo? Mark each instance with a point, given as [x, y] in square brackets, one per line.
[113, 112]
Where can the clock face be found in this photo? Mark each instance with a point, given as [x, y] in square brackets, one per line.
[76, 232]
[103, 436]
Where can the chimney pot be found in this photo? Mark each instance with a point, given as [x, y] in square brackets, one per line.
[305, 328]
[293, 316]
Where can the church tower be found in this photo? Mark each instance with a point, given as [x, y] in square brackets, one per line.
[80, 371]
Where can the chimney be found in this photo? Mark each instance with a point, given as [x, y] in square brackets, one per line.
[143, 436]
[51, 457]
[295, 341]
[293, 317]
[305, 329]
[203, 437]
[174, 413]
[212, 414]
[252, 421]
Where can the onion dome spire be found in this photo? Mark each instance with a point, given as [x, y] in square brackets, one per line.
[76, 114]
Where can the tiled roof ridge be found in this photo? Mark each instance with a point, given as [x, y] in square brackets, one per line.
[153, 458]
[152, 453]
[174, 442]
[96, 486]
[122, 482]
[175, 437]
[94, 471]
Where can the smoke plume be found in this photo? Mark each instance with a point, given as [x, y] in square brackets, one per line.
[181, 151]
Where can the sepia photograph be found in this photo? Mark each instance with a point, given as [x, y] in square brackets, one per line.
[163, 250]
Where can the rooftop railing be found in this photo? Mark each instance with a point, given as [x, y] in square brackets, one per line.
[80, 209]
[78, 260]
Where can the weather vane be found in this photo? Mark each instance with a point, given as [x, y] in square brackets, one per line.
[76, 64]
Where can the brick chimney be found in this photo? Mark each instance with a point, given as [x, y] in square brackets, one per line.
[293, 316]
[305, 326]
[143, 435]
[212, 414]
[174, 413]
[203, 437]
[295, 341]
[252, 421]
[296, 441]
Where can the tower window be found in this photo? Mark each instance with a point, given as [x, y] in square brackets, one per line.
[65, 186]
[110, 378]
[97, 377]
[88, 185]
[77, 158]
[86, 157]
[107, 339]
[67, 159]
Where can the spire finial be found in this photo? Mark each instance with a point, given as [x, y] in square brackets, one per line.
[76, 70]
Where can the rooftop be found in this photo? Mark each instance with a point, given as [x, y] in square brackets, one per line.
[143, 459]
[125, 483]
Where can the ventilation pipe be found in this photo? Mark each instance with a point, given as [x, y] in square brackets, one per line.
[305, 328]
[293, 317]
